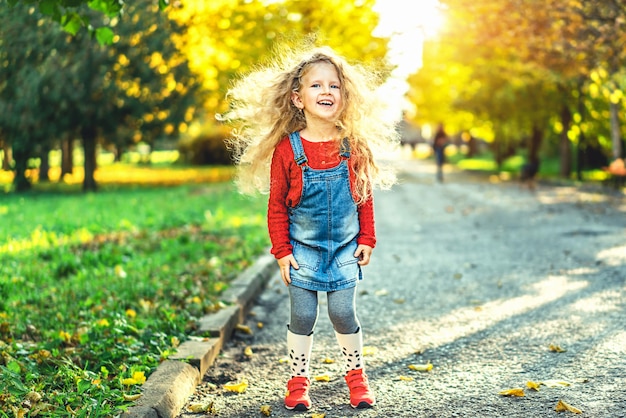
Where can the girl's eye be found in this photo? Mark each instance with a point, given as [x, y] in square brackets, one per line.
[335, 87]
[315, 85]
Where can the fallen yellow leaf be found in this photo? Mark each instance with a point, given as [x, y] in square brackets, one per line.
[405, 378]
[533, 385]
[555, 348]
[369, 351]
[243, 328]
[283, 360]
[512, 392]
[199, 407]
[562, 407]
[554, 383]
[322, 378]
[132, 398]
[248, 351]
[328, 360]
[318, 416]
[237, 387]
[259, 325]
[266, 410]
[421, 367]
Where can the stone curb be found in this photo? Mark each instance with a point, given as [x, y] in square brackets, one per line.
[167, 389]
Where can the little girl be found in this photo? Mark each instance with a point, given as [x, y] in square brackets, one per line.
[309, 126]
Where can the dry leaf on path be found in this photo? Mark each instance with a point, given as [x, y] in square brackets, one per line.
[237, 387]
[318, 416]
[199, 407]
[243, 328]
[421, 367]
[328, 360]
[322, 378]
[562, 407]
[554, 383]
[512, 392]
[556, 348]
[369, 351]
[248, 351]
[406, 378]
[266, 410]
[533, 385]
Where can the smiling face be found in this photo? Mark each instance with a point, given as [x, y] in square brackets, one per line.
[320, 93]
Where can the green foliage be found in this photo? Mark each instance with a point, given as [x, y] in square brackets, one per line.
[96, 290]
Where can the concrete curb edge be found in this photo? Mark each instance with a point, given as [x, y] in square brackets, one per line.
[166, 391]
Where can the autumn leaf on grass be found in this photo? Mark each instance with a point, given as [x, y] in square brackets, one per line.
[512, 392]
[533, 385]
[556, 348]
[243, 328]
[132, 398]
[248, 351]
[562, 407]
[266, 410]
[237, 387]
[554, 383]
[421, 367]
[322, 378]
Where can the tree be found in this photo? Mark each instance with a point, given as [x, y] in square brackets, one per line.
[524, 62]
[140, 86]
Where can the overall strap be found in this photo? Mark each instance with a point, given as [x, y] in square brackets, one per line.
[345, 147]
[298, 149]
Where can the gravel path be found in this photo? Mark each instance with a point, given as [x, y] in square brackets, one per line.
[476, 278]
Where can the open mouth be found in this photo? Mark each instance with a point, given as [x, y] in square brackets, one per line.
[325, 103]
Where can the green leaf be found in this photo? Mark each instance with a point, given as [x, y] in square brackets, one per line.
[72, 23]
[14, 366]
[49, 7]
[163, 4]
[110, 8]
[105, 35]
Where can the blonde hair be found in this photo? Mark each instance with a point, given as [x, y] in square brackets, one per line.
[262, 114]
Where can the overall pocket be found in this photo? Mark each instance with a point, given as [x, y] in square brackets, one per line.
[345, 254]
[306, 256]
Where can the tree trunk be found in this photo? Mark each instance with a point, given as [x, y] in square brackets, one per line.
[67, 153]
[565, 146]
[616, 137]
[20, 157]
[44, 167]
[7, 157]
[89, 146]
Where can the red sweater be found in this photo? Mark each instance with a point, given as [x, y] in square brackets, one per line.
[286, 189]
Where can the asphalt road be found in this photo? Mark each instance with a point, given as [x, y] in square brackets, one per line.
[477, 278]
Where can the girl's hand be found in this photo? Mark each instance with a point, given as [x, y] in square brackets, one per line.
[363, 253]
[284, 264]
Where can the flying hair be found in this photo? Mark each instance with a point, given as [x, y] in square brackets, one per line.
[262, 113]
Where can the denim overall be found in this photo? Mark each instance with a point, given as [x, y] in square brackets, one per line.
[323, 226]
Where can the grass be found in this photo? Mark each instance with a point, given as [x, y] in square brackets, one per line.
[97, 289]
[511, 167]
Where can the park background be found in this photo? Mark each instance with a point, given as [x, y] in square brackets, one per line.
[119, 222]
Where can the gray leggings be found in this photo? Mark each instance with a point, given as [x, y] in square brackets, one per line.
[305, 310]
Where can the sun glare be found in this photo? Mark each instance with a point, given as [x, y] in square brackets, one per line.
[406, 31]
